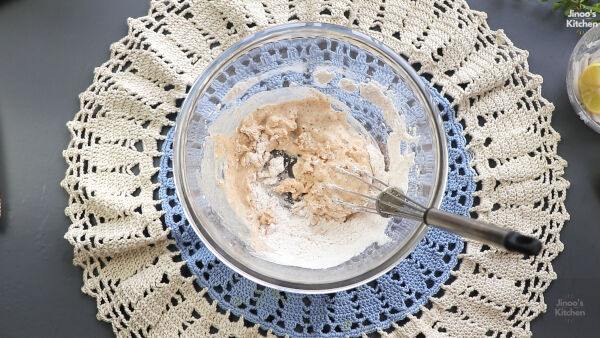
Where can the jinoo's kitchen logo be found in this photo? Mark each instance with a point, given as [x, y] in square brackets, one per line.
[581, 19]
[569, 307]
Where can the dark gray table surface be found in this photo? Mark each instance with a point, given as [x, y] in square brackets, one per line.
[48, 50]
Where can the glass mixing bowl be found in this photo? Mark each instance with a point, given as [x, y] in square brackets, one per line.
[586, 51]
[286, 56]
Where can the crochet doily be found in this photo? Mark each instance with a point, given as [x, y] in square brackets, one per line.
[134, 267]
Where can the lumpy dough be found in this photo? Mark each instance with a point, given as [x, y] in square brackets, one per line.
[311, 133]
[273, 170]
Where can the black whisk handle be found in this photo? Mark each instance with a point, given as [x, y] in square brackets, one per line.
[516, 241]
[483, 232]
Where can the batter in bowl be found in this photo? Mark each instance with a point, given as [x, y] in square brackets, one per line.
[279, 164]
[294, 147]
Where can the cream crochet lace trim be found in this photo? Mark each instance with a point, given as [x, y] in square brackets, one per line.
[122, 245]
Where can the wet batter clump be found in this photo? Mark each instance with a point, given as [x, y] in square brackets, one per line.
[274, 172]
[294, 148]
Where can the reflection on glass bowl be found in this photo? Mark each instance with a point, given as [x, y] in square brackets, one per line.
[284, 56]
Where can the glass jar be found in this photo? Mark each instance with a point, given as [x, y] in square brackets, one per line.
[586, 52]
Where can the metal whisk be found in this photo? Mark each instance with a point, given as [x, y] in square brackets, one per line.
[391, 202]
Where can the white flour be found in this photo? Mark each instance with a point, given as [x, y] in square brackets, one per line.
[292, 236]
[322, 76]
[293, 240]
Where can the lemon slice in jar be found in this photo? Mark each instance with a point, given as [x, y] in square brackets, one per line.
[589, 88]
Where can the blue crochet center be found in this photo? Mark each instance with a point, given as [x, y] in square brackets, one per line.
[375, 305]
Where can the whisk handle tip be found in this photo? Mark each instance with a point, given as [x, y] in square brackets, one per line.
[516, 241]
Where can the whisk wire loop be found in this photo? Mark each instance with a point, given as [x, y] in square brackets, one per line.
[392, 202]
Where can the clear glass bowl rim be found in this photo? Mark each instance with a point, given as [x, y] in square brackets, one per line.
[308, 29]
